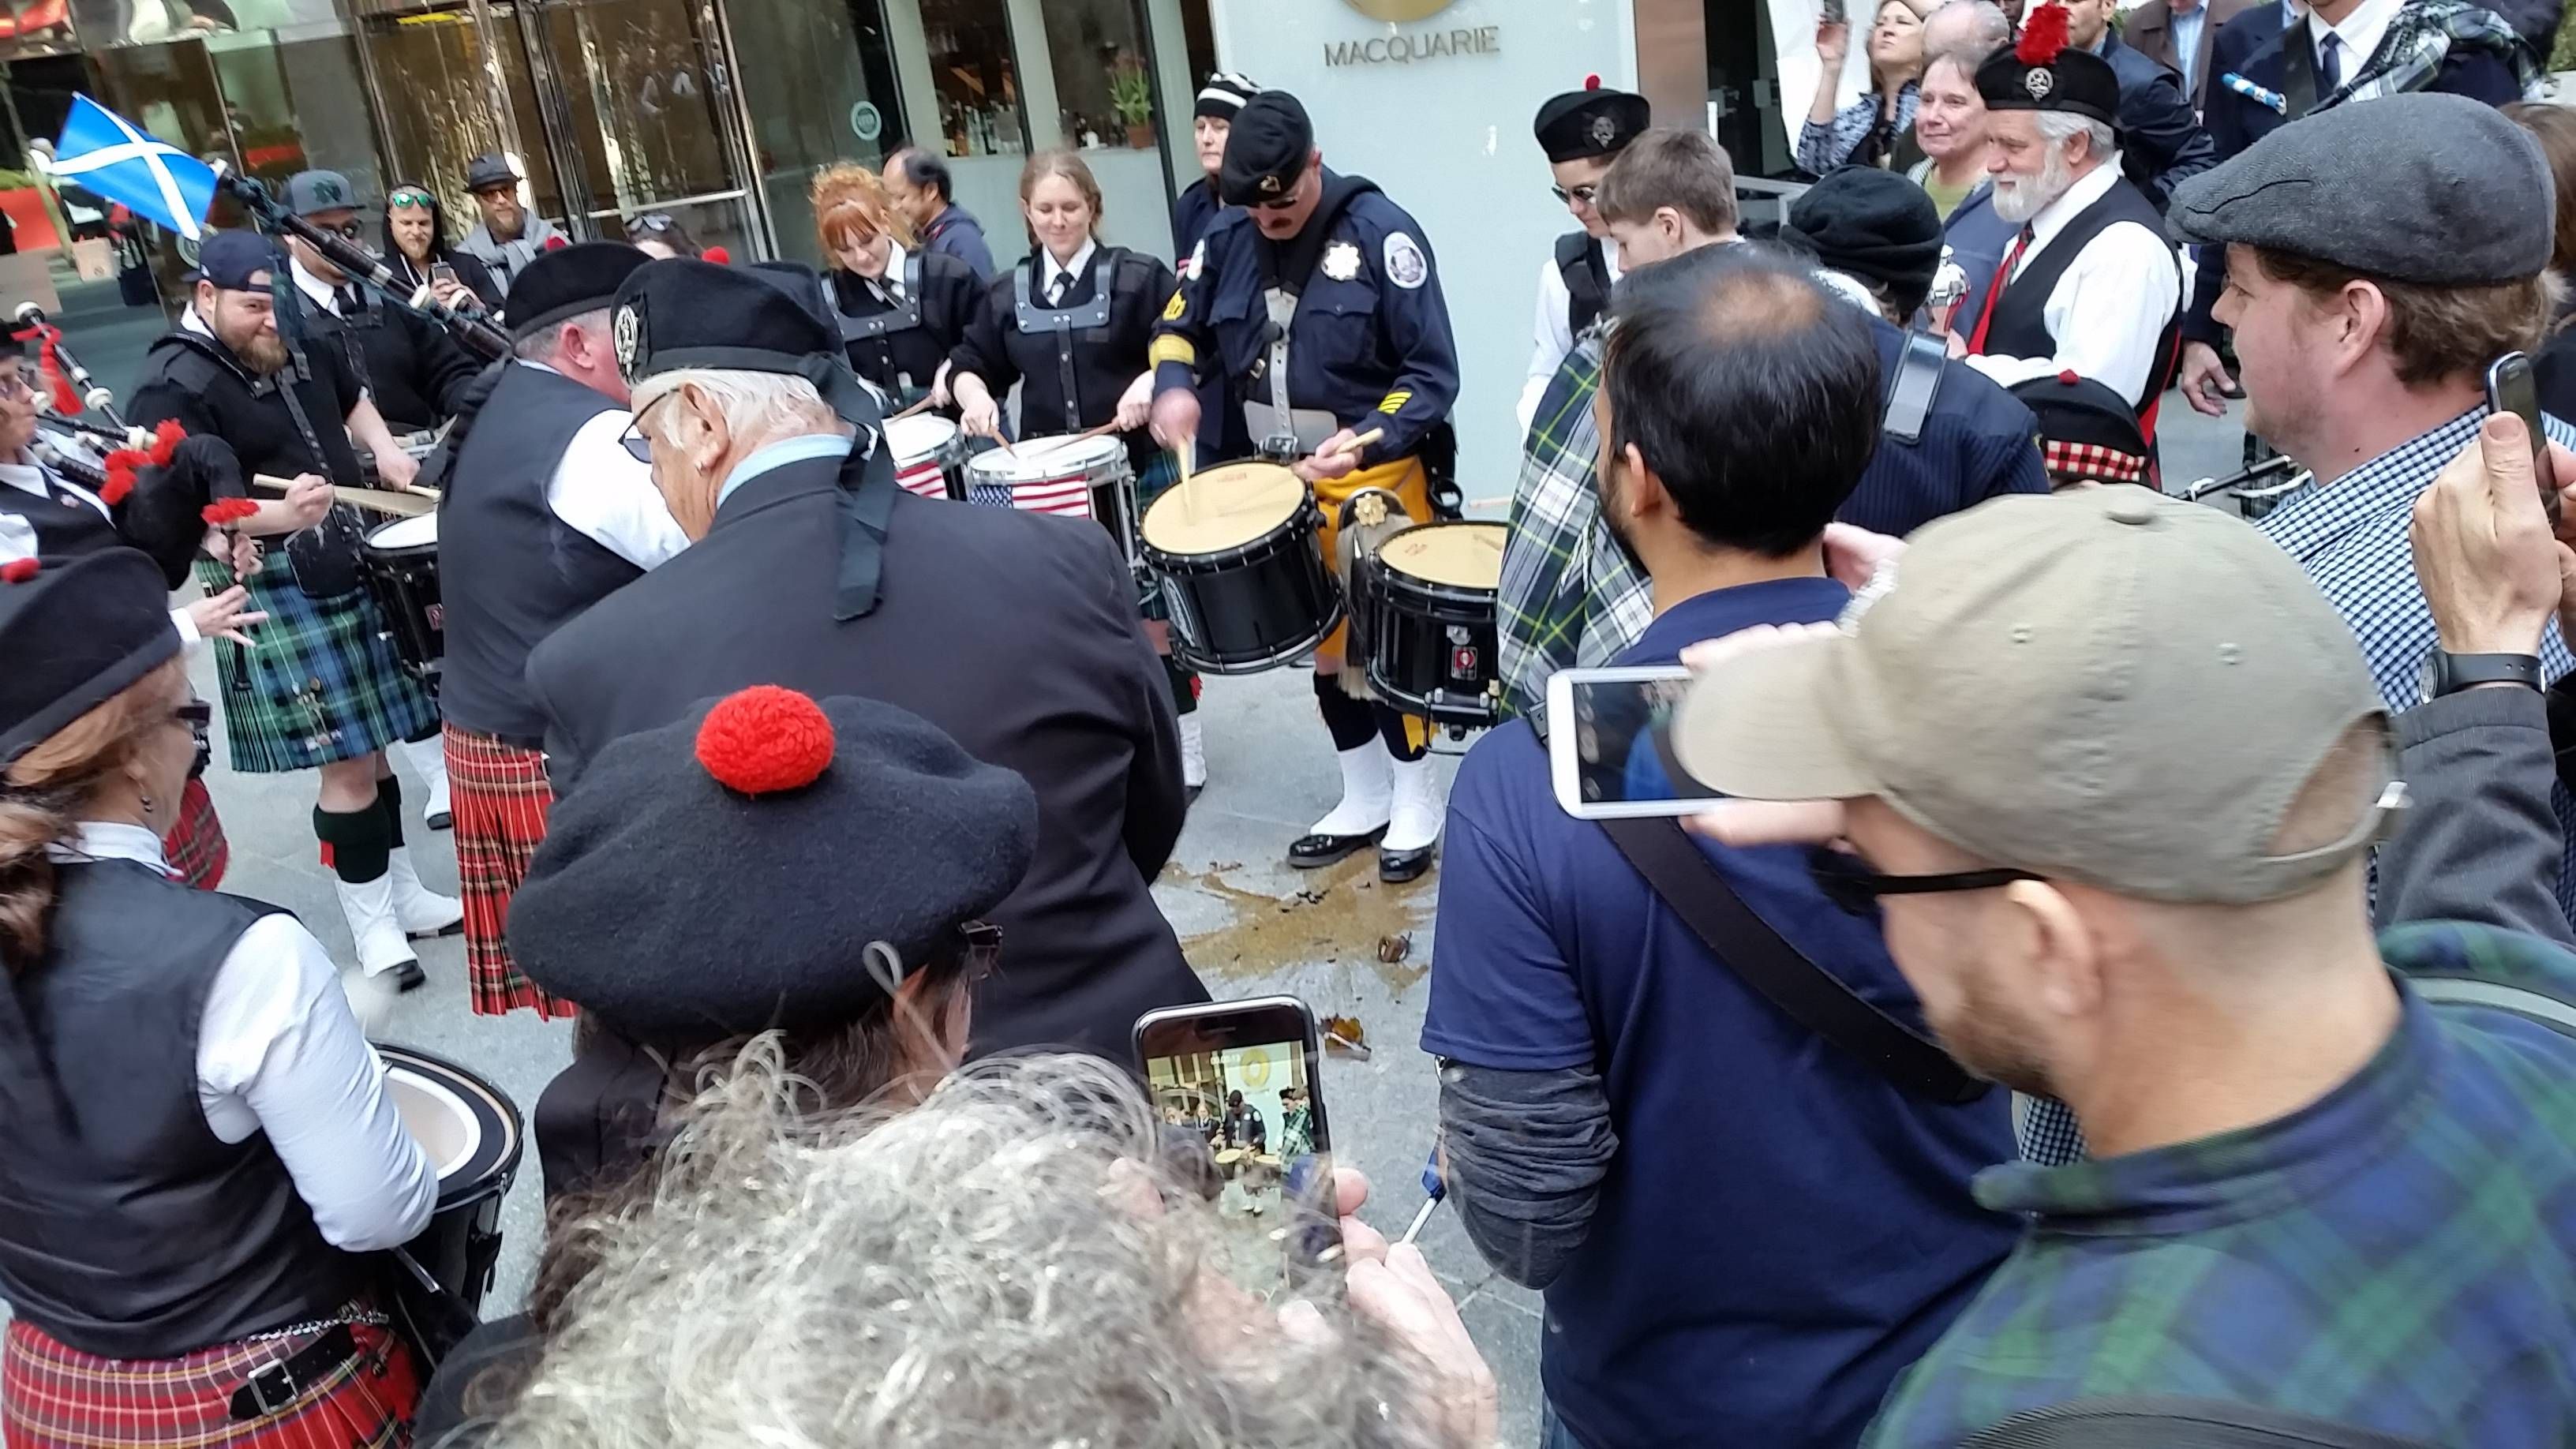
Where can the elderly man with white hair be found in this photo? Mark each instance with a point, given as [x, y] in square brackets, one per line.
[2089, 285]
[809, 568]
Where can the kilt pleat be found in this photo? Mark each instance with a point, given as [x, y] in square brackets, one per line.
[324, 683]
[55, 1397]
[499, 797]
[196, 847]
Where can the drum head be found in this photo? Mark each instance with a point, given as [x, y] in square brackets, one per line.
[405, 533]
[1039, 460]
[920, 436]
[471, 1131]
[1466, 554]
[1223, 508]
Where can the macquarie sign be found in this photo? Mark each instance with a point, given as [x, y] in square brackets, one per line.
[1405, 48]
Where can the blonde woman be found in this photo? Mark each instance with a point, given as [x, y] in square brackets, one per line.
[1865, 132]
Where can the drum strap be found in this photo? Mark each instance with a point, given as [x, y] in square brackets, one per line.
[1911, 392]
[1033, 319]
[1694, 889]
[903, 316]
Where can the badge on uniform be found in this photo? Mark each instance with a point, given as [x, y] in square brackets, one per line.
[1341, 261]
[1405, 263]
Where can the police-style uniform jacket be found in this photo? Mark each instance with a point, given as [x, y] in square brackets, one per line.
[1362, 325]
[1073, 361]
[1220, 424]
[899, 345]
[1012, 632]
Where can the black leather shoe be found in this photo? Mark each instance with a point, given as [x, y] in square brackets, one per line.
[440, 821]
[1312, 852]
[1194, 792]
[409, 977]
[1395, 867]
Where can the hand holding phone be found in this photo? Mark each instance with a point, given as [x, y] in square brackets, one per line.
[1609, 743]
[441, 272]
[2513, 388]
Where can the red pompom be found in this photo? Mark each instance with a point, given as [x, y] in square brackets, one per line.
[1592, 83]
[225, 512]
[2069, 377]
[2043, 35]
[765, 739]
[120, 481]
[165, 442]
[18, 570]
[719, 256]
[555, 243]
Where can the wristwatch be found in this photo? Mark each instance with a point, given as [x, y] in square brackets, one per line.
[2448, 673]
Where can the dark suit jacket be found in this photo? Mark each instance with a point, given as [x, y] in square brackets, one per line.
[2161, 142]
[1015, 633]
[2150, 32]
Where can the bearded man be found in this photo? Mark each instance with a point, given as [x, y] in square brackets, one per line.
[2090, 285]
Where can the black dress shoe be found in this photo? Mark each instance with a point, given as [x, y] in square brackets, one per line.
[440, 821]
[1395, 867]
[409, 977]
[1312, 852]
[1194, 792]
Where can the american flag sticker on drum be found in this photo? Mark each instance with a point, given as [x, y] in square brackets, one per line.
[924, 479]
[1068, 497]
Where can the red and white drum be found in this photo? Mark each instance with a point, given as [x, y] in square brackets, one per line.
[928, 452]
[1070, 476]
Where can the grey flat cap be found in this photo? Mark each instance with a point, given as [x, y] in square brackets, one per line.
[2434, 189]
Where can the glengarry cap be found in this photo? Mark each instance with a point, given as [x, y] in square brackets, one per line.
[2105, 686]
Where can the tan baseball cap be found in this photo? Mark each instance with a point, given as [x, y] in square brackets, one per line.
[2104, 686]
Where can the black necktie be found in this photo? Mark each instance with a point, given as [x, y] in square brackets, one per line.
[1056, 289]
[2330, 62]
[349, 301]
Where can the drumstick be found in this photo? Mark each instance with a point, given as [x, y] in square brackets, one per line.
[1499, 500]
[1181, 448]
[409, 503]
[1353, 445]
[1053, 444]
[908, 412]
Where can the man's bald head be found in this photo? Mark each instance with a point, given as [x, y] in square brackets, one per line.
[1977, 27]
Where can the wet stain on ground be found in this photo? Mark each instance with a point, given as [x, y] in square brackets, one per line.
[1340, 914]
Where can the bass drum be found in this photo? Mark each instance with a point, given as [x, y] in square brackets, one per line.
[473, 1134]
[1235, 549]
[1430, 632]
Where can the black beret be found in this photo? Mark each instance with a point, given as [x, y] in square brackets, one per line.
[726, 873]
[2478, 205]
[76, 631]
[1873, 224]
[681, 312]
[1580, 125]
[2085, 429]
[229, 258]
[1266, 151]
[566, 281]
[2041, 72]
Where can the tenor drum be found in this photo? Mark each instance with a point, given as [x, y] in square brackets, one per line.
[1069, 476]
[1429, 595]
[399, 562]
[929, 456]
[473, 1135]
[1235, 550]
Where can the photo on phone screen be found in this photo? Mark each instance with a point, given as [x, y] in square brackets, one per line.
[1242, 1107]
[2513, 388]
[1609, 739]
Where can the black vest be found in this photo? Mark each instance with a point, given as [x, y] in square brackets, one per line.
[64, 526]
[132, 1231]
[509, 571]
[1587, 279]
[2020, 324]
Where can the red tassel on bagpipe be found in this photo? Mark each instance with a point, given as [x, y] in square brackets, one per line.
[49, 362]
[225, 512]
[165, 442]
[121, 466]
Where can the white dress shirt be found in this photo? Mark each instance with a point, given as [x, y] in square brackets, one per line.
[2359, 35]
[315, 290]
[1554, 334]
[2109, 306]
[279, 1052]
[606, 494]
[1076, 269]
[889, 287]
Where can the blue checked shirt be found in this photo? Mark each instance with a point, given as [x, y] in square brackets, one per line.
[2350, 536]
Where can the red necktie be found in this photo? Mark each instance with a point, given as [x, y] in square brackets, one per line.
[1994, 294]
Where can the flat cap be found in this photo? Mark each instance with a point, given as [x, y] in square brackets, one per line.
[1266, 152]
[489, 170]
[568, 281]
[2434, 189]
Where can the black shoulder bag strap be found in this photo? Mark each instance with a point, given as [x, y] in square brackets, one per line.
[1917, 382]
[1733, 932]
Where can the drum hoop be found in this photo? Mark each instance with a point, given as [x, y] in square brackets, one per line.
[943, 450]
[368, 542]
[1305, 520]
[1045, 460]
[494, 1163]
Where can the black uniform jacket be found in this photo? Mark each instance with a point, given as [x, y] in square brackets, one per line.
[905, 361]
[1014, 632]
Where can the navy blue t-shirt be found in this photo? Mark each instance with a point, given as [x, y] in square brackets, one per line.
[1782, 1231]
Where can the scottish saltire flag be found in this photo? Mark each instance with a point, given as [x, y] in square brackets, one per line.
[103, 152]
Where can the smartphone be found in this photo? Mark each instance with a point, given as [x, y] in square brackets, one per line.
[1241, 1098]
[1609, 743]
[1836, 13]
[2511, 388]
[441, 272]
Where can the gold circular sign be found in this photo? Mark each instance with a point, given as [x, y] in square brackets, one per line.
[1398, 12]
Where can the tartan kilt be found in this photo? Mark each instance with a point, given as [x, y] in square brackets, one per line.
[1154, 478]
[195, 847]
[324, 683]
[498, 799]
[56, 1397]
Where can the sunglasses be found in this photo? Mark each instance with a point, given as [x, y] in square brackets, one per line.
[349, 230]
[412, 198]
[651, 221]
[1852, 885]
[199, 717]
[1587, 194]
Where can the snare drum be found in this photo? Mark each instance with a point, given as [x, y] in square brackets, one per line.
[473, 1135]
[1069, 476]
[399, 562]
[1430, 627]
[928, 455]
[1235, 548]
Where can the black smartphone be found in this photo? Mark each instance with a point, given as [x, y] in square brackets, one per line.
[1241, 1098]
[1835, 13]
[2511, 388]
[441, 272]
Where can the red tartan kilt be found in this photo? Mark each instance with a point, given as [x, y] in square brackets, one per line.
[498, 798]
[195, 847]
[55, 1397]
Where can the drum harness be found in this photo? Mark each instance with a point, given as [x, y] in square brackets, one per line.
[1283, 434]
[1063, 322]
[902, 317]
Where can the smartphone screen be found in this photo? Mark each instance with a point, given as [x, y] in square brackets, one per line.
[1610, 743]
[441, 272]
[2512, 388]
[1242, 1108]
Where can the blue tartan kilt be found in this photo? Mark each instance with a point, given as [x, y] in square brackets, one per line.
[324, 683]
[1154, 479]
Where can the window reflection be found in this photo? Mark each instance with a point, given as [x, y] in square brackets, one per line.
[971, 69]
[1104, 83]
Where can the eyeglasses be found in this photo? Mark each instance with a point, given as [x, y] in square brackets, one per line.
[1852, 885]
[408, 197]
[349, 230]
[632, 439]
[1587, 193]
[199, 717]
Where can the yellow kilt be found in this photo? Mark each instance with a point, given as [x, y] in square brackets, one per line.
[1406, 479]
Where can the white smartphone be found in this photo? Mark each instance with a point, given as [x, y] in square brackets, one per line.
[1609, 743]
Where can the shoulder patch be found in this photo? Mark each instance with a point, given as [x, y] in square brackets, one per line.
[1179, 305]
[1406, 266]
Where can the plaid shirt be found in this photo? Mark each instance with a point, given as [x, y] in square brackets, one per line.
[1569, 596]
[2350, 536]
[2399, 1255]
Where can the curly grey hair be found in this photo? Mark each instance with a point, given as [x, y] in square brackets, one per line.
[994, 1266]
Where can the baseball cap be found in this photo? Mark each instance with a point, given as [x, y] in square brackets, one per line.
[2105, 686]
[230, 258]
[312, 192]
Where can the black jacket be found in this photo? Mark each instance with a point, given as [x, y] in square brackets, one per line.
[1015, 633]
[2161, 142]
[411, 366]
[904, 362]
[1105, 359]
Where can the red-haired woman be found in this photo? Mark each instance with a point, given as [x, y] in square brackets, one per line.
[903, 308]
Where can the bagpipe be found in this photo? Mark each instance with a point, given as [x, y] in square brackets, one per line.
[363, 267]
[2252, 502]
[68, 383]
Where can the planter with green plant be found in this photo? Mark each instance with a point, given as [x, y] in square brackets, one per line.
[1131, 95]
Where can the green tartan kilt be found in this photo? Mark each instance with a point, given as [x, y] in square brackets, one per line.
[324, 683]
[1153, 481]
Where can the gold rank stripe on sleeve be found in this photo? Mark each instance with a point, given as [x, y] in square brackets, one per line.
[1173, 349]
[1395, 402]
